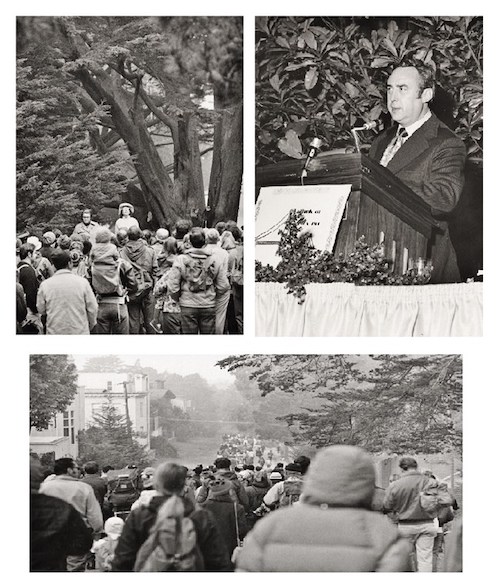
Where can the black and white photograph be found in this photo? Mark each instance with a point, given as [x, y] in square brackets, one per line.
[369, 176]
[129, 162]
[250, 463]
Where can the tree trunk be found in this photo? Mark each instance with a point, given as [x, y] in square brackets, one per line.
[188, 179]
[227, 165]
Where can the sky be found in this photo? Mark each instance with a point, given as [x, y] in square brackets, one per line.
[176, 364]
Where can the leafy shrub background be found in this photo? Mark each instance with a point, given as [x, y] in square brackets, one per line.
[321, 76]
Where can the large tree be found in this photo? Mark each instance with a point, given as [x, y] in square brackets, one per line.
[152, 75]
[108, 441]
[383, 403]
[53, 385]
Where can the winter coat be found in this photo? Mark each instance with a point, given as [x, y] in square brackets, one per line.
[140, 520]
[98, 485]
[238, 488]
[179, 286]
[142, 255]
[222, 507]
[56, 531]
[402, 497]
[333, 529]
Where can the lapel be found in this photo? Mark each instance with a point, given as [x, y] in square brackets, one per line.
[414, 146]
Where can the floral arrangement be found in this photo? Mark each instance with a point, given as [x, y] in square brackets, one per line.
[302, 264]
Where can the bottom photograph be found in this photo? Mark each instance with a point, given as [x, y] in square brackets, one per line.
[247, 463]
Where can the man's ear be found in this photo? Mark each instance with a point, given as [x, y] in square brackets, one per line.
[427, 95]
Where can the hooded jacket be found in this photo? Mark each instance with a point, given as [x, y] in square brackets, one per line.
[332, 529]
[241, 495]
[178, 285]
[140, 520]
[142, 255]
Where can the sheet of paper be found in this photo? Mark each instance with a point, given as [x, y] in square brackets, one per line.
[323, 207]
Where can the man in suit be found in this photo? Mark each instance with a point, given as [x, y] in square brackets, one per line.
[426, 155]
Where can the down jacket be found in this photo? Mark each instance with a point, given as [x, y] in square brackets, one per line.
[332, 528]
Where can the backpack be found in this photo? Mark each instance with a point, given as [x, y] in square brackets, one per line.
[106, 278]
[291, 493]
[432, 499]
[123, 485]
[172, 544]
[198, 273]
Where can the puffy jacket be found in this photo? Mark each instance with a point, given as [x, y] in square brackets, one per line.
[333, 528]
[140, 521]
[179, 286]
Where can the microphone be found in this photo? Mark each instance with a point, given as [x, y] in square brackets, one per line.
[313, 150]
[367, 126]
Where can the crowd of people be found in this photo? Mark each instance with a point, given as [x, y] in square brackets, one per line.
[181, 282]
[319, 515]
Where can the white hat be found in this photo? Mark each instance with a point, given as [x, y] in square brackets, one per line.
[113, 527]
[34, 241]
[128, 205]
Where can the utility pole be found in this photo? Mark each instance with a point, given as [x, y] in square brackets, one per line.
[127, 414]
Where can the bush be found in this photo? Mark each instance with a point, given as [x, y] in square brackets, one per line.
[319, 77]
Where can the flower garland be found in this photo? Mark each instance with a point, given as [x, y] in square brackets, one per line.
[302, 264]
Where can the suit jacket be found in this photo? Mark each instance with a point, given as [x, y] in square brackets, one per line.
[431, 162]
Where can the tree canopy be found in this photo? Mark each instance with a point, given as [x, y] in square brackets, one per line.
[108, 441]
[383, 403]
[132, 87]
[53, 385]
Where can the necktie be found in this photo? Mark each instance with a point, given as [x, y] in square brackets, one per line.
[393, 146]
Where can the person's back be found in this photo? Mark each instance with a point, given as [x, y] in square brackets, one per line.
[332, 528]
[169, 480]
[56, 531]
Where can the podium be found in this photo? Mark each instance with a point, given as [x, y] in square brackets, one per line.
[379, 203]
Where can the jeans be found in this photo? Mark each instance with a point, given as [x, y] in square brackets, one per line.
[141, 313]
[421, 535]
[196, 321]
[221, 302]
[112, 319]
[76, 563]
[171, 323]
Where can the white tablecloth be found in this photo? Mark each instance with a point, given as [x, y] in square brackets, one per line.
[346, 310]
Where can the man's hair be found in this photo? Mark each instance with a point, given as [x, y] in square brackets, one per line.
[87, 247]
[212, 236]
[106, 468]
[87, 211]
[408, 463]
[220, 226]
[235, 232]
[427, 73]
[134, 233]
[122, 236]
[170, 478]
[60, 258]
[197, 238]
[304, 462]
[25, 249]
[182, 227]
[103, 235]
[91, 467]
[222, 463]
[62, 465]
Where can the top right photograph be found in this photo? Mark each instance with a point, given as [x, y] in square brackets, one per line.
[369, 176]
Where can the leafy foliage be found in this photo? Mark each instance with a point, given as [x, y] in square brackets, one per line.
[302, 264]
[141, 84]
[108, 441]
[58, 171]
[382, 403]
[319, 77]
[104, 363]
[53, 385]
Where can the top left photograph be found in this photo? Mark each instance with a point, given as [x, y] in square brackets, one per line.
[129, 164]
